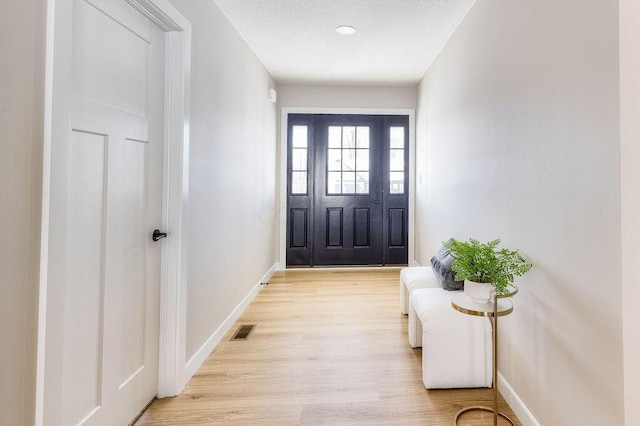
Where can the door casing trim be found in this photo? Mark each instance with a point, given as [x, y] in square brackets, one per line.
[171, 374]
[282, 210]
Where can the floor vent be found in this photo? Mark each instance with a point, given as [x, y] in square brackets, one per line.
[243, 332]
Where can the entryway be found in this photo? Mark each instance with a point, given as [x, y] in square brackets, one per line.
[347, 189]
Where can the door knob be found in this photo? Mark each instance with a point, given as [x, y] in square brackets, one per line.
[377, 201]
[157, 235]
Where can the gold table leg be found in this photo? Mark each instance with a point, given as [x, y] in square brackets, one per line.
[494, 410]
[482, 408]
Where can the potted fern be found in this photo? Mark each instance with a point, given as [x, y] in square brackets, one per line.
[484, 268]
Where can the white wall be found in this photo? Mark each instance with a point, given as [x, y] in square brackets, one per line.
[326, 96]
[518, 139]
[21, 128]
[630, 172]
[232, 179]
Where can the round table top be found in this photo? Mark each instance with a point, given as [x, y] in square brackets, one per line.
[462, 303]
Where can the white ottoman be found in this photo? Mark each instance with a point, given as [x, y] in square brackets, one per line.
[456, 348]
[412, 278]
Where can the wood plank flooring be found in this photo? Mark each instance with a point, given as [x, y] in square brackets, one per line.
[330, 348]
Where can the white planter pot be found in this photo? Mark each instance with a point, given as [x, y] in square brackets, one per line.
[479, 292]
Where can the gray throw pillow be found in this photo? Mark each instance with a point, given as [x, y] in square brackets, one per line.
[441, 264]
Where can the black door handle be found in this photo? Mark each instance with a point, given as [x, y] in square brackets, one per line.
[377, 201]
[157, 235]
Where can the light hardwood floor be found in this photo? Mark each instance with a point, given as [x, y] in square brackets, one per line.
[330, 348]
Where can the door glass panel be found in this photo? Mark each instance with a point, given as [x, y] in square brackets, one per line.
[348, 182]
[396, 160]
[299, 137]
[298, 182]
[334, 183]
[396, 183]
[349, 159]
[299, 159]
[334, 161]
[397, 137]
[335, 137]
[348, 137]
[362, 184]
[362, 137]
[348, 152]
[362, 160]
[299, 163]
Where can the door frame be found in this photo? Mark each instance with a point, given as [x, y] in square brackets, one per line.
[57, 96]
[283, 166]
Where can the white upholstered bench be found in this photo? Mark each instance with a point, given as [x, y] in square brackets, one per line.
[412, 278]
[456, 348]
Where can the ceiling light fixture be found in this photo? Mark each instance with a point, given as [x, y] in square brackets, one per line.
[346, 30]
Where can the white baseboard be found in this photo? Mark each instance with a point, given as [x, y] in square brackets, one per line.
[201, 354]
[414, 263]
[517, 405]
[345, 268]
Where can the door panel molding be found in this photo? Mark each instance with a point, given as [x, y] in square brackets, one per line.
[361, 227]
[335, 227]
[284, 166]
[299, 222]
[87, 284]
[58, 89]
[396, 224]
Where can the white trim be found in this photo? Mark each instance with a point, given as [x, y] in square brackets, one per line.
[175, 197]
[162, 13]
[517, 405]
[201, 354]
[412, 186]
[175, 191]
[282, 210]
[44, 231]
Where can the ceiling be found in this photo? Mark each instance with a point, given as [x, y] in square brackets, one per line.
[396, 42]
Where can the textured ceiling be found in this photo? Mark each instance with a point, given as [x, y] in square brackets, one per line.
[396, 42]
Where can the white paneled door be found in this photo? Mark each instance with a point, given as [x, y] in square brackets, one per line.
[113, 203]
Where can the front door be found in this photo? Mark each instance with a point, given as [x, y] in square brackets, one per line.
[347, 190]
[103, 311]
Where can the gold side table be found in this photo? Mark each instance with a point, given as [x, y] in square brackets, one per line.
[499, 307]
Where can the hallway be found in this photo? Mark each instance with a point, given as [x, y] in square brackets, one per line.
[330, 348]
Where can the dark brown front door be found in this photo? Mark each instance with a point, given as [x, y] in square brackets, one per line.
[347, 190]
